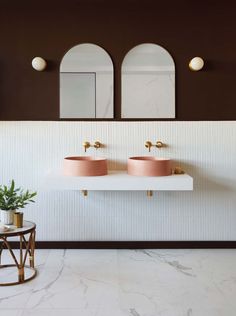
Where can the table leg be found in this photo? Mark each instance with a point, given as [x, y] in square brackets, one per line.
[1, 249]
[21, 272]
[32, 248]
[26, 249]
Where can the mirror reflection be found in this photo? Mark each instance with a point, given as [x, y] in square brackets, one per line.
[86, 83]
[148, 83]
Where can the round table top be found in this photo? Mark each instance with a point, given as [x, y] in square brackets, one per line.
[14, 231]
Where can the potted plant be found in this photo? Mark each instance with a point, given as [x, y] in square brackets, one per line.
[11, 199]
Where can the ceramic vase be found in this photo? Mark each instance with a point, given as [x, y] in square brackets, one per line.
[7, 217]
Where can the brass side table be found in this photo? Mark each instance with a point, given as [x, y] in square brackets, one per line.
[26, 236]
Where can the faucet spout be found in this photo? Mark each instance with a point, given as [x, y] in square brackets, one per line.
[86, 145]
[148, 145]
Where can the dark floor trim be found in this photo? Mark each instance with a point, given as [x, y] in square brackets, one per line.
[133, 244]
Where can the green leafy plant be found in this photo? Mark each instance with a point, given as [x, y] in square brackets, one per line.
[12, 198]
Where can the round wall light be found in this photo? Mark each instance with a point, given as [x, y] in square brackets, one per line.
[39, 64]
[196, 63]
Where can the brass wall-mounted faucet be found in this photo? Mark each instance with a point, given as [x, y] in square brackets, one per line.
[149, 144]
[85, 192]
[87, 145]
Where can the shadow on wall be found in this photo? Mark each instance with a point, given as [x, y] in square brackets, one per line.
[204, 181]
[115, 164]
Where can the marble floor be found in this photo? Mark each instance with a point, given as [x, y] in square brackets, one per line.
[126, 283]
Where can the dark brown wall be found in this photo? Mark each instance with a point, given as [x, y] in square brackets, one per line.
[185, 28]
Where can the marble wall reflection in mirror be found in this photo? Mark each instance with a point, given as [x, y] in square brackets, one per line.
[148, 83]
[86, 83]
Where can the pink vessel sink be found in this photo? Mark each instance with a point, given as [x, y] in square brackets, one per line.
[84, 166]
[149, 166]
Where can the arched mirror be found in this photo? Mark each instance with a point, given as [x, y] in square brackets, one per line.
[148, 83]
[86, 83]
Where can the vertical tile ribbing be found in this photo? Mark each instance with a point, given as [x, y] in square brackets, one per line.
[206, 150]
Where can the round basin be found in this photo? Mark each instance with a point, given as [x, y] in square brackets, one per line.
[149, 166]
[84, 166]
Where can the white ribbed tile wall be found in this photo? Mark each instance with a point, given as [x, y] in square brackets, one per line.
[206, 150]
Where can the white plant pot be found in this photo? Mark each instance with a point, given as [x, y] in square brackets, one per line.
[7, 217]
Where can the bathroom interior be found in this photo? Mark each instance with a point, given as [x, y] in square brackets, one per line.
[121, 116]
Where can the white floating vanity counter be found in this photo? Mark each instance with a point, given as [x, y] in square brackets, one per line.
[118, 181]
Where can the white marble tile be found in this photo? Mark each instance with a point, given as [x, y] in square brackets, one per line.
[77, 279]
[184, 282]
[40, 259]
[17, 296]
[127, 283]
[10, 312]
[70, 312]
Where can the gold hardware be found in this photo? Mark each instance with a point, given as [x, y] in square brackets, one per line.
[21, 274]
[149, 193]
[178, 170]
[97, 145]
[159, 144]
[87, 145]
[85, 192]
[26, 251]
[148, 145]
[18, 219]
[21, 270]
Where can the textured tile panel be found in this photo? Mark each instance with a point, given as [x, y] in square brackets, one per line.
[206, 150]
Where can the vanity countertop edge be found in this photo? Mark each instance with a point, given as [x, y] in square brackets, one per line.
[117, 180]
